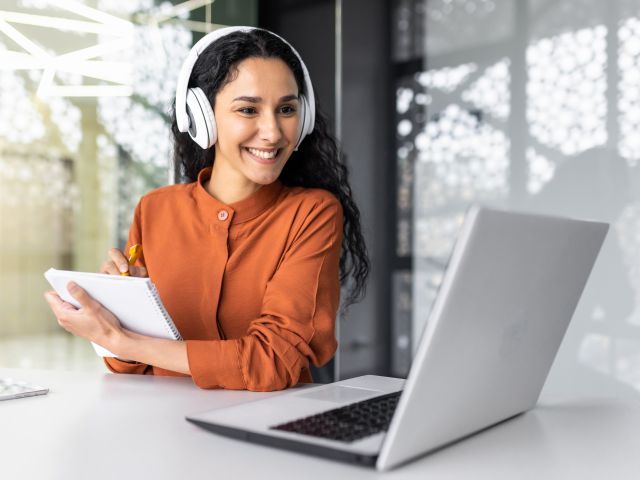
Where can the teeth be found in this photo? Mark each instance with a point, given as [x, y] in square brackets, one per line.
[261, 154]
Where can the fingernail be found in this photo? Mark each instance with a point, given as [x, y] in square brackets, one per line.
[124, 268]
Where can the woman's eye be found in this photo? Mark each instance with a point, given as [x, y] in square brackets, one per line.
[288, 109]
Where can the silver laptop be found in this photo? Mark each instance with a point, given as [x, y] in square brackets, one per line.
[509, 292]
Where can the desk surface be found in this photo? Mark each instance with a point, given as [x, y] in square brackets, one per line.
[106, 426]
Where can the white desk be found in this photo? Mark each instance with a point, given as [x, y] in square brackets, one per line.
[93, 426]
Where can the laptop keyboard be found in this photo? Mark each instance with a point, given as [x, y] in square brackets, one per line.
[349, 423]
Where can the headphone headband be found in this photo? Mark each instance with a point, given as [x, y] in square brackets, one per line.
[182, 117]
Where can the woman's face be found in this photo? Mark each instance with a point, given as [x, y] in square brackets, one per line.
[257, 116]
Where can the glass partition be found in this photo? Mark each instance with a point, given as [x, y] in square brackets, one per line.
[534, 105]
[85, 91]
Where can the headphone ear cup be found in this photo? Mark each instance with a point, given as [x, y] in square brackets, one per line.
[305, 120]
[202, 123]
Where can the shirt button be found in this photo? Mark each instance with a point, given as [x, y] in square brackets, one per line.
[223, 215]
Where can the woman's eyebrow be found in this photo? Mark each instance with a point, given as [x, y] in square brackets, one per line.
[244, 98]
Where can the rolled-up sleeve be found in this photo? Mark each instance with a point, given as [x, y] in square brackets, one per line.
[296, 325]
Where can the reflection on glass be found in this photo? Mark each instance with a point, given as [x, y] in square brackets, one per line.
[37, 207]
[566, 103]
[454, 25]
[446, 79]
[410, 117]
[490, 92]
[85, 91]
[629, 89]
[627, 227]
[540, 171]
[20, 121]
[408, 29]
[401, 327]
[547, 120]
[467, 159]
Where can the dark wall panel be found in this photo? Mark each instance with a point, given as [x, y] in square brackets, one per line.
[365, 334]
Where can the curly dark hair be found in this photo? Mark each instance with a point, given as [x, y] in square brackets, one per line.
[318, 162]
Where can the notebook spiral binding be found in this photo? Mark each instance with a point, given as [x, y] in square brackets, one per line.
[168, 322]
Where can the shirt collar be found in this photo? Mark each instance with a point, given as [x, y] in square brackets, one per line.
[240, 211]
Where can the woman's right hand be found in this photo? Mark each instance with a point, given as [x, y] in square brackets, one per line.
[118, 264]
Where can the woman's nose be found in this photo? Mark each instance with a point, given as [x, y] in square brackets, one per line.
[270, 129]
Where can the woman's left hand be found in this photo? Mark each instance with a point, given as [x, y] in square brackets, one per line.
[91, 321]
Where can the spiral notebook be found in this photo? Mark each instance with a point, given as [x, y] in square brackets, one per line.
[135, 301]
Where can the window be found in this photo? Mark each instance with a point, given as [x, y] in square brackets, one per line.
[84, 132]
[528, 105]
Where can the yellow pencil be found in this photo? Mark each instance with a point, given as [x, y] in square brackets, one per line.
[134, 254]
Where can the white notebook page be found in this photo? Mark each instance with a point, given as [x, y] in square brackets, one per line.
[134, 301]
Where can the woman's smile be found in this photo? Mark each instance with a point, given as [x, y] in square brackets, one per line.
[265, 157]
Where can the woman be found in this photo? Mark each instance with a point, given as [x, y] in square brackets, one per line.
[249, 256]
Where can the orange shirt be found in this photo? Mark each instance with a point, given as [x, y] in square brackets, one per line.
[253, 287]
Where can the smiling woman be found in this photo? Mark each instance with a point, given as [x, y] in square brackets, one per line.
[256, 134]
[250, 254]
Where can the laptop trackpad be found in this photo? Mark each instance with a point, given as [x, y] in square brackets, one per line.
[338, 394]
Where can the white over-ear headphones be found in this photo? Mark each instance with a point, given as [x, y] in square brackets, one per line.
[194, 113]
